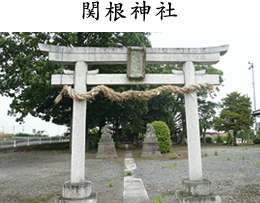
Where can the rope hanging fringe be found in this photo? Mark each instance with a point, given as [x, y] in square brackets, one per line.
[117, 96]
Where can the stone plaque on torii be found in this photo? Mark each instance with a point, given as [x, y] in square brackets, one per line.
[78, 187]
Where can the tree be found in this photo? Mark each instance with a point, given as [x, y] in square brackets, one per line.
[25, 73]
[235, 114]
[25, 76]
[207, 111]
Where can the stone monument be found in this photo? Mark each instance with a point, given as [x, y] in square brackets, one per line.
[150, 144]
[106, 145]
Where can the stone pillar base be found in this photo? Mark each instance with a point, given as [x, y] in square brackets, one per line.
[91, 199]
[199, 199]
[151, 149]
[196, 191]
[106, 150]
[76, 190]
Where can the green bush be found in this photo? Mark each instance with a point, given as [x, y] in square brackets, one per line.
[30, 135]
[225, 138]
[115, 139]
[208, 140]
[158, 200]
[94, 138]
[219, 139]
[129, 173]
[162, 132]
[23, 135]
[174, 156]
[256, 141]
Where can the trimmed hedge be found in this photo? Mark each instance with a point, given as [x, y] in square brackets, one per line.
[207, 139]
[256, 141]
[219, 139]
[30, 135]
[162, 132]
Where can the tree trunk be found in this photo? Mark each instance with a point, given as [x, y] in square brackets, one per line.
[101, 125]
[182, 139]
[235, 138]
[87, 136]
[116, 130]
[204, 135]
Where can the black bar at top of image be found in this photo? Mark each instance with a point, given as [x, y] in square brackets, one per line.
[99, 15]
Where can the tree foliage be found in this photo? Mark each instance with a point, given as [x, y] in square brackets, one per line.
[25, 73]
[235, 114]
[25, 76]
[207, 111]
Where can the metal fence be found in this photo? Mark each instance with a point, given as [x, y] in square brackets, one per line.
[27, 141]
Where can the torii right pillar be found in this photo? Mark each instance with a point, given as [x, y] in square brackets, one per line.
[195, 189]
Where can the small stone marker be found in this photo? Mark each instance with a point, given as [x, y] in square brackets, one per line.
[106, 145]
[150, 145]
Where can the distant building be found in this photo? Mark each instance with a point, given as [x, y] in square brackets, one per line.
[43, 132]
[214, 135]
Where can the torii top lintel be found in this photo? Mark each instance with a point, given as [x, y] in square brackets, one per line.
[94, 55]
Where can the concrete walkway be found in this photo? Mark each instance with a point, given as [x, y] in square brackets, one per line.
[134, 190]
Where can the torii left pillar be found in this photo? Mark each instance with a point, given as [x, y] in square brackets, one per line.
[78, 189]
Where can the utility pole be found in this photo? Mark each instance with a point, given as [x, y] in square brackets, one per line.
[252, 67]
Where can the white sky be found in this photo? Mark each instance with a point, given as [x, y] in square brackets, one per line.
[200, 23]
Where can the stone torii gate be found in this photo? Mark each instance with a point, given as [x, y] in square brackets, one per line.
[136, 58]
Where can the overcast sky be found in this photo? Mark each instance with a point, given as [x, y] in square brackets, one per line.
[199, 23]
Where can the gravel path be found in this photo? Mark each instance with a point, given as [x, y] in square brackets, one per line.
[234, 173]
[38, 176]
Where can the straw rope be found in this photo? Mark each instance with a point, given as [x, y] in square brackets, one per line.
[117, 96]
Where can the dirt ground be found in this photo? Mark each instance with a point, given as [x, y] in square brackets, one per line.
[38, 175]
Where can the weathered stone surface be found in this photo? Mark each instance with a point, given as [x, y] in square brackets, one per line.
[106, 150]
[197, 199]
[151, 150]
[134, 191]
[150, 132]
[150, 144]
[195, 188]
[106, 140]
[196, 191]
[106, 146]
[150, 140]
[91, 199]
[106, 132]
[92, 55]
[121, 79]
[76, 190]
[192, 123]
[78, 126]
[136, 62]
